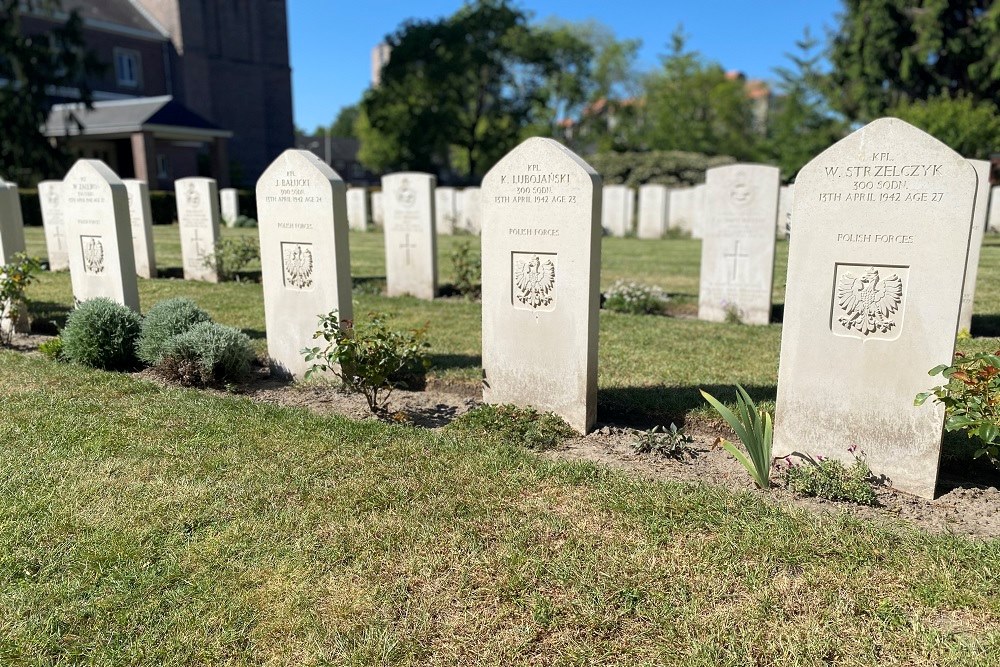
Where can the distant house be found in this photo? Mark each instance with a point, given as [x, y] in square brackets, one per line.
[341, 153]
[190, 88]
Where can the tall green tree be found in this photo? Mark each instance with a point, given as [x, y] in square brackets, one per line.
[801, 123]
[970, 128]
[693, 105]
[460, 92]
[343, 124]
[888, 52]
[31, 65]
[605, 119]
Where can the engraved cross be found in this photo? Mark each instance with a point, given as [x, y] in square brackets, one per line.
[736, 256]
[199, 251]
[60, 235]
[407, 245]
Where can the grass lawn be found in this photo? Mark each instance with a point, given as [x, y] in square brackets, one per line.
[152, 526]
[142, 525]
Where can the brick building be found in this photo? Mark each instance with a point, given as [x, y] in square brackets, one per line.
[191, 87]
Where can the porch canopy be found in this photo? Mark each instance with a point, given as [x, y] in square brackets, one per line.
[143, 121]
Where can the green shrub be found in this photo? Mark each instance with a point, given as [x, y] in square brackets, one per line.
[14, 280]
[52, 349]
[468, 267]
[635, 298]
[671, 168]
[207, 354]
[515, 425]
[831, 479]
[369, 357]
[102, 334]
[231, 256]
[971, 398]
[165, 320]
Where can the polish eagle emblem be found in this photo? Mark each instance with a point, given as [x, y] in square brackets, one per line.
[93, 255]
[869, 301]
[534, 280]
[298, 267]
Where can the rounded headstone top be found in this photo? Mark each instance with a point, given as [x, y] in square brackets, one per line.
[85, 168]
[294, 158]
[889, 134]
[540, 148]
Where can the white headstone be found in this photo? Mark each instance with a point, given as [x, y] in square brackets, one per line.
[198, 218]
[994, 215]
[410, 243]
[875, 270]
[50, 199]
[460, 209]
[229, 203]
[445, 209]
[472, 211]
[304, 254]
[982, 168]
[680, 209]
[699, 210]
[786, 195]
[141, 219]
[11, 222]
[737, 253]
[101, 259]
[653, 201]
[541, 274]
[357, 209]
[618, 204]
[378, 214]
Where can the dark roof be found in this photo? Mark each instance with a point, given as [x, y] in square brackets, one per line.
[119, 12]
[126, 116]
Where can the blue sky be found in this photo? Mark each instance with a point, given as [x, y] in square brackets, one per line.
[331, 40]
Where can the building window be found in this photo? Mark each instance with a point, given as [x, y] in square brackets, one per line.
[162, 166]
[128, 67]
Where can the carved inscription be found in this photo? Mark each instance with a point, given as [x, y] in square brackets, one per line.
[297, 265]
[534, 280]
[93, 254]
[880, 180]
[293, 189]
[868, 300]
[535, 186]
[82, 192]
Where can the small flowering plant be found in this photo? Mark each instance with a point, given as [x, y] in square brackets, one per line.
[14, 280]
[635, 298]
[971, 398]
[823, 477]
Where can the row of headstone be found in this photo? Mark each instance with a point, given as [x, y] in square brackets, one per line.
[197, 215]
[874, 288]
[661, 209]
[541, 267]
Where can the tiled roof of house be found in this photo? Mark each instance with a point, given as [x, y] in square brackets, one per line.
[127, 116]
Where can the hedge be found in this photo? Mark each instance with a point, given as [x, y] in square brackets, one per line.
[671, 168]
[161, 202]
